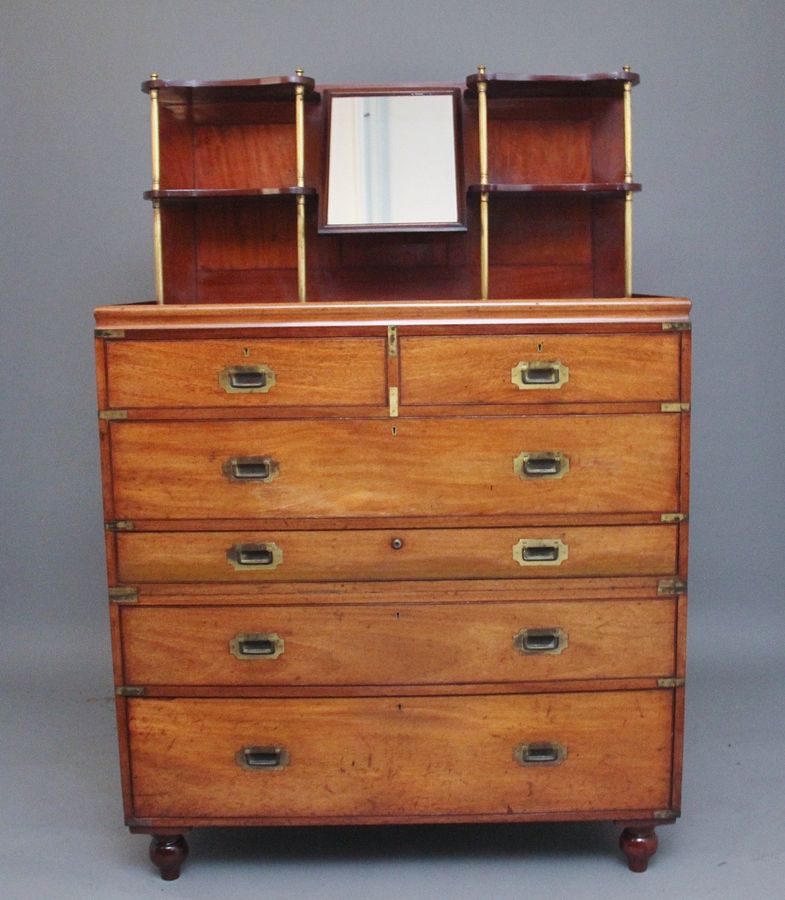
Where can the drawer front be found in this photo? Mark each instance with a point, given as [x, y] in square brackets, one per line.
[532, 369]
[400, 756]
[414, 467]
[351, 555]
[250, 373]
[435, 643]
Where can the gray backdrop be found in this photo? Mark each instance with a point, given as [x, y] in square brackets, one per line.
[708, 148]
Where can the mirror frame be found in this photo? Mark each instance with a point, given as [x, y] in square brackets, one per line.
[460, 224]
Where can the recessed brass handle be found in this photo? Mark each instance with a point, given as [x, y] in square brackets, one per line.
[262, 469]
[262, 759]
[541, 465]
[535, 552]
[538, 374]
[246, 379]
[263, 557]
[256, 646]
[540, 641]
[540, 754]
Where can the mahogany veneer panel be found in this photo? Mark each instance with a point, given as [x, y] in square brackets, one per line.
[478, 368]
[401, 756]
[308, 372]
[364, 467]
[369, 555]
[433, 643]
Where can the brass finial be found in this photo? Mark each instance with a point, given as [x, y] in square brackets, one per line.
[154, 76]
[481, 71]
[626, 68]
[299, 72]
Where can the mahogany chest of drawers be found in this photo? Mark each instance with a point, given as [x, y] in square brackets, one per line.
[412, 549]
[467, 605]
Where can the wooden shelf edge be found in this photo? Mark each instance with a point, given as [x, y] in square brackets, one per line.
[520, 85]
[186, 194]
[272, 87]
[584, 187]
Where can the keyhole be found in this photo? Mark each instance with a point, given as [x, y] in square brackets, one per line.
[246, 351]
[539, 348]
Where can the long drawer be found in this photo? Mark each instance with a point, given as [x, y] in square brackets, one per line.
[384, 555]
[401, 756]
[253, 373]
[414, 467]
[536, 369]
[428, 643]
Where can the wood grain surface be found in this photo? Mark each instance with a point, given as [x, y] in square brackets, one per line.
[404, 755]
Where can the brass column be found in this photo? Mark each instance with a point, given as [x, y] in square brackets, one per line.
[627, 179]
[482, 108]
[299, 120]
[155, 147]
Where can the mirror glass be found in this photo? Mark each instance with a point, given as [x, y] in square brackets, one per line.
[392, 162]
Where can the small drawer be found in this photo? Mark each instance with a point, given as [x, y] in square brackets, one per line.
[402, 756]
[413, 467]
[407, 554]
[539, 369]
[433, 643]
[252, 373]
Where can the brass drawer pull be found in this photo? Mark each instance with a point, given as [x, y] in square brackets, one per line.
[255, 556]
[246, 379]
[541, 641]
[542, 754]
[533, 552]
[251, 468]
[262, 759]
[256, 646]
[539, 374]
[541, 465]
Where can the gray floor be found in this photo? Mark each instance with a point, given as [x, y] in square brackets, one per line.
[62, 834]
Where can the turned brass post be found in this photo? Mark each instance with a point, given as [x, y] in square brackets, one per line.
[482, 108]
[627, 178]
[155, 148]
[299, 109]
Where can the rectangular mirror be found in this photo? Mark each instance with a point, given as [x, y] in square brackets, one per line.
[393, 162]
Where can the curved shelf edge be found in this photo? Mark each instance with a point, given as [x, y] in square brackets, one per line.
[588, 187]
[229, 193]
[274, 87]
[501, 84]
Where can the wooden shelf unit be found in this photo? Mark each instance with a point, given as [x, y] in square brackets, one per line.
[556, 172]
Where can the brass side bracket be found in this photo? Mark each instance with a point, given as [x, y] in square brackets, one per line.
[110, 333]
[120, 525]
[113, 415]
[123, 595]
[670, 682]
[669, 587]
[393, 397]
[392, 340]
[676, 326]
[674, 407]
[130, 691]
[673, 517]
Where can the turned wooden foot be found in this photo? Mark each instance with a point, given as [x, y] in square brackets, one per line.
[638, 844]
[168, 853]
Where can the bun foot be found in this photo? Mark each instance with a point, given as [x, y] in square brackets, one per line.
[168, 853]
[638, 845]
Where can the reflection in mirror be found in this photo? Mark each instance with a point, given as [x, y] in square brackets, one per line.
[392, 162]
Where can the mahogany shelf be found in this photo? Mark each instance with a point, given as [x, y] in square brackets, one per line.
[185, 194]
[589, 187]
[277, 87]
[598, 84]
